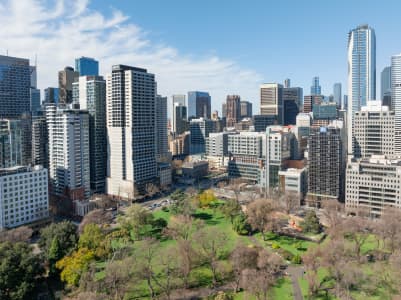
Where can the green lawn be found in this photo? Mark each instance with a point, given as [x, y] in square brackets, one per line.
[288, 243]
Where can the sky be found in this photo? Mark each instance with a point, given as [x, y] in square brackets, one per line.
[223, 47]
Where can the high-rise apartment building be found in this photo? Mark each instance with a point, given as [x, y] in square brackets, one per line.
[385, 86]
[361, 73]
[65, 79]
[325, 165]
[87, 66]
[373, 130]
[40, 144]
[337, 95]
[69, 162]
[246, 109]
[199, 129]
[271, 101]
[89, 92]
[24, 196]
[315, 89]
[396, 99]
[199, 105]
[15, 82]
[161, 128]
[233, 110]
[131, 131]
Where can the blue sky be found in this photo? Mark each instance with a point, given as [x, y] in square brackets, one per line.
[278, 39]
[224, 47]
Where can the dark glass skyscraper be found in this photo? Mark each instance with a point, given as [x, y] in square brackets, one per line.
[87, 66]
[199, 105]
[15, 82]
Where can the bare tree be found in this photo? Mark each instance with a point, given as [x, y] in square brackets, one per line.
[117, 274]
[242, 258]
[358, 230]
[261, 216]
[151, 189]
[230, 209]
[187, 258]
[388, 228]
[168, 269]
[88, 296]
[289, 202]
[331, 216]
[259, 281]
[183, 227]
[98, 216]
[312, 263]
[211, 245]
[20, 234]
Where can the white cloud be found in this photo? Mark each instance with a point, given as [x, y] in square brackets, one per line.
[63, 30]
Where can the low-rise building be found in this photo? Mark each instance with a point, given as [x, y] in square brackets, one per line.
[24, 197]
[293, 181]
[195, 169]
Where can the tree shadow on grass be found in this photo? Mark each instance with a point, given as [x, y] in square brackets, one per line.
[208, 218]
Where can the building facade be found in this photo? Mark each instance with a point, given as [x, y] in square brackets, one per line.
[161, 129]
[89, 92]
[40, 143]
[66, 78]
[199, 105]
[315, 89]
[24, 196]
[87, 66]
[271, 101]
[233, 110]
[131, 132]
[15, 82]
[373, 184]
[69, 161]
[361, 73]
[337, 95]
[199, 131]
[396, 99]
[246, 109]
[385, 86]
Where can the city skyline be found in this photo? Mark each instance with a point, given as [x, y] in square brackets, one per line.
[186, 59]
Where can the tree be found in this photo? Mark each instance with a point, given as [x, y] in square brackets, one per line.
[88, 296]
[183, 227]
[311, 223]
[260, 280]
[94, 239]
[331, 213]
[242, 258]
[357, 230]
[211, 245]
[187, 258]
[206, 198]
[168, 269]
[312, 263]
[117, 274]
[73, 266]
[151, 189]
[20, 234]
[98, 216]
[260, 216]
[388, 228]
[289, 202]
[231, 209]
[144, 264]
[240, 224]
[56, 241]
[19, 269]
[183, 205]
[135, 219]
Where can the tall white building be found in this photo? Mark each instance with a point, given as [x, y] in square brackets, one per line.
[271, 101]
[373, 130]
[90, 93]
[396, 98]
[69, 166]
[131, 131]
[24, 196]
[361, 73]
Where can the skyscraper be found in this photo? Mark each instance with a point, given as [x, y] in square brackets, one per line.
[34, 91]
[233, 110]
[385, 87]
[396, 99]
[292, 100]
[199, 105]
[69, 164]
[337, 94]
[15, 82]
[51, 95]
[40, 143]
[131, 132]
[361, 73]
[271, 101]
[180, 114]
[87, 66]
[90, 93]
[315, 89]
[246, 109]
[287, 83]
[200, 129]
[65, 79]
[161, 128]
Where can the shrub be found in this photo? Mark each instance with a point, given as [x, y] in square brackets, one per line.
[296, 259]
[275, 245]
[240, 225]
[285, 254]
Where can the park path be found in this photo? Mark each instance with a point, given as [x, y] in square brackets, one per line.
[295, 273]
